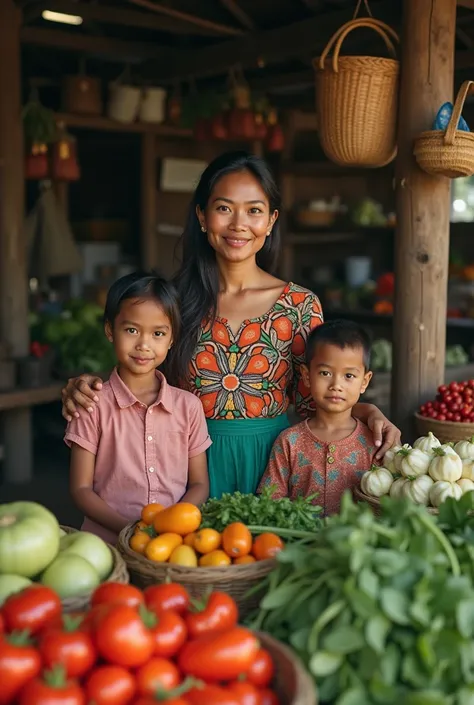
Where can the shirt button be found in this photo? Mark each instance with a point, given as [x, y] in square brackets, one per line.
[151, 469]
[330, 459]
[332, 448]
[150, 438]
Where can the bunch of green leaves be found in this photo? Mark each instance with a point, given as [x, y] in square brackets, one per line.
[456, 519]
[377, 608]
[261, 510]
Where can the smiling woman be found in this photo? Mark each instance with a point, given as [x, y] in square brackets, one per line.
[243, 329]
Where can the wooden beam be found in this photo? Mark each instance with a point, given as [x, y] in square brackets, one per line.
[423, 212]
[469, 4]
[185, 17]
[16, 425]
[75, 41]
[115, 15]
[240, 15]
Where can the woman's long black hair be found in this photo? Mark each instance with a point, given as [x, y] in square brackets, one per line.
[197, 280]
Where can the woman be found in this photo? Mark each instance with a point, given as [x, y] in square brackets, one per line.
[244, 330]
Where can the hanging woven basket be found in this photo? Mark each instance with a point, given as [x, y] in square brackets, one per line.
[357, 100]
[448, 152]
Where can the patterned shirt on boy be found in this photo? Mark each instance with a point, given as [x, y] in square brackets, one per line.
[301, 464]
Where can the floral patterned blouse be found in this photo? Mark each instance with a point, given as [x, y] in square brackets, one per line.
[257, 372]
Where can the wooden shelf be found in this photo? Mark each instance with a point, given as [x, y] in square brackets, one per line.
[19, 398]
[100, 122]
[381, 318]
[330, 235]
[327, 168]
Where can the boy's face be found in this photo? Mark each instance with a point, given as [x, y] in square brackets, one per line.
[141, 335]
[336, 377]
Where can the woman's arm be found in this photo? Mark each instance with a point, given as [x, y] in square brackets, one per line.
[80, 392]
[386, 434]
[198, 481]
[81, 486]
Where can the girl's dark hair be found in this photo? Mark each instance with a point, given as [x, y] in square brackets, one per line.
[144, 285]
[342, 334]
[197, 280]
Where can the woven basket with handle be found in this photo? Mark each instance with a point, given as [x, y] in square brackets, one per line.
[293, 685]
[448, 152]
[119, 574]
[357, 99]
[236, 580]
[445, 431]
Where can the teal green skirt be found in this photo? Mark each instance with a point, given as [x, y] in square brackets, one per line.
[240, 451]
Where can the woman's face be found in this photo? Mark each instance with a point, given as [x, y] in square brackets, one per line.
[237, 218]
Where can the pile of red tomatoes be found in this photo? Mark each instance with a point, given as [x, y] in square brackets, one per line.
[130, 648]
[454, 402]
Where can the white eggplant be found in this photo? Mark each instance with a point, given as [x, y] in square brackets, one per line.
[418, 489]
[446, 465]
[468, 469]
[442, 489]
[465, 449]
[414, 462]
[466, 485]
[397, 461]
[389, 459]
[376, 482]
[396, 490]
[427, 443]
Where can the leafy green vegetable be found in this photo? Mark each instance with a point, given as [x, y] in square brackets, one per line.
[381, 609]
[261, 510]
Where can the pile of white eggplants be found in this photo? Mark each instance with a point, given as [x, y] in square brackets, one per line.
[427, 473]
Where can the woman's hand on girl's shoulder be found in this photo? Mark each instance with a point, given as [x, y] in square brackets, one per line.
[80, 392]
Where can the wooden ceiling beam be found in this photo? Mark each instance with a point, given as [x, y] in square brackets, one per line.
[240, 15]
[469, 4]
[115, 15]
[186, 17]
[100, 46]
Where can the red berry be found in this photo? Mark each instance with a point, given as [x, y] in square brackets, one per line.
[443, 388]
[441, 417]
[457, 418]
[450, 416]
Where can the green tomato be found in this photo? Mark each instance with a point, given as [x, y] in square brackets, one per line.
[10, 584]
[90, 547]
[70, 576]
[29, 538]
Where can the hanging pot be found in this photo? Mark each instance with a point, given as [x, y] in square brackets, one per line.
[275, 138]
[124, 102]
[218, 127]
[152, 106]
[82, 94]
[64, 164]
[260, 127]
[36, 163]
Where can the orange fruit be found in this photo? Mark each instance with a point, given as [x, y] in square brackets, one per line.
[139, 526]
[236, 540]
[182, 518]
[267, 546]
[184, 555]
[161, 548]
[213, 559]
[150, 511]
[242, 560]
[139, 541]
[189, 539]
[207, 540]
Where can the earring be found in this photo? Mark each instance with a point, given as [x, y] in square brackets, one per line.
[269, 232]
[203, 228]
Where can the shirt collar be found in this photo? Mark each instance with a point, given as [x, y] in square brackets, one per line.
[125, 398]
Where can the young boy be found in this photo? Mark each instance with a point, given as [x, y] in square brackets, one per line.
[329, 452]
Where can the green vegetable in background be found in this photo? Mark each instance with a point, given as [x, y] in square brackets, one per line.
[261, 510]
[380, 609]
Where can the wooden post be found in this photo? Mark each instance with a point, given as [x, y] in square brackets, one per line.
[423, 210]
[16, 424]
[149, 240]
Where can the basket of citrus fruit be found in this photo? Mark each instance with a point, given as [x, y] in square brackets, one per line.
[169, 545]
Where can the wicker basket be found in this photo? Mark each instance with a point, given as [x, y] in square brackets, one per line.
[356, 101]
[374, 502]
[119, 574]
[445, 431]
[236, 580]
[293, 684]
[447, 152]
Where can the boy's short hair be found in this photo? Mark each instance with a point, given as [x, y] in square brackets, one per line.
[343, 334]
[144, 285]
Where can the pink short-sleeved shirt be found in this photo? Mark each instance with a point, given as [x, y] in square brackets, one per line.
[141, 453]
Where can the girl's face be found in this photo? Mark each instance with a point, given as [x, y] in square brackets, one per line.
[237, 218]
[141, 334]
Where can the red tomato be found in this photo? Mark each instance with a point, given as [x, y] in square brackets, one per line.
[217, 614]
[111, 593]
[157, 675]
[269, 697]
[2, 624]
[68, 646]
[168, 596]
[219, 657]
[122, 638]
[52, 690]
[262, 669]
[33, 608]
[211, 695]
[110, 685]
[247, 694]
[169, 632]
[150, 700]
[19, 663]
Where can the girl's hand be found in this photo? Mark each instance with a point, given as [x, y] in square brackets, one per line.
[386, 434]
[80, 391]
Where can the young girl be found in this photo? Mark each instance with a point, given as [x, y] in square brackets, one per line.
[144, 441]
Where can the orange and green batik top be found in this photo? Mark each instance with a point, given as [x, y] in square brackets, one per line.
[257, 372]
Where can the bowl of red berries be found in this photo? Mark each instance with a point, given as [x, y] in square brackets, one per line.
[451, 415]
